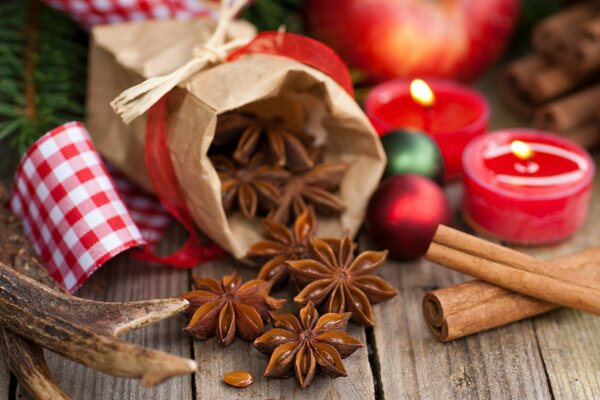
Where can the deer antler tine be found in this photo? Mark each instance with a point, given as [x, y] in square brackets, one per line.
[142, 313]
[61, 327]
[119, 318]
[26, 360]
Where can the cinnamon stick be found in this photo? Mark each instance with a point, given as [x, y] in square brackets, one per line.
[532, 80]
[586, 135]
[554, 81]
[584, 57]
[584, 51]
[513, 83]
[522, 69]
[512, 270]
[513, 98]
[476, 306]
[590, 31]
[552, 35]
[568, 112]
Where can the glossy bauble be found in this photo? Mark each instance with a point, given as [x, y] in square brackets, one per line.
[412, 152]
[404, 213]
[392, 38]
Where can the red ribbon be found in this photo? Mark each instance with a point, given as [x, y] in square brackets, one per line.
[300, 48]
[158, 160]
[164, 182]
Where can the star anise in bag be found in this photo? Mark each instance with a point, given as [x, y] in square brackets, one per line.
[283, 244]
[229, 308]
[282, 146]
[334, 277]
[314, 187]
[256, 184]
[303, 347]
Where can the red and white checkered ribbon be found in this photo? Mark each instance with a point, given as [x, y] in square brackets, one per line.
[89, 13]
[148, 214]
[71, 208]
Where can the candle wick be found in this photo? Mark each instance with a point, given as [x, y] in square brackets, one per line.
[527, 167]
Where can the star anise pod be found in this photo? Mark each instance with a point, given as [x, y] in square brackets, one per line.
[305, 346]
[314, 187]
[344, 283]
[283, 147]
[256, 184]
[229, 308]
[283, 244]
[230, 126]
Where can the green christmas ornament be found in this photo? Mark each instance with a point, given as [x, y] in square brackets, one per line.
[412, 152]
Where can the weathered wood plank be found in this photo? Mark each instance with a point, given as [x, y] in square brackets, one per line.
[569, 339]
[499, 364]
[124, 279]
[214, 362]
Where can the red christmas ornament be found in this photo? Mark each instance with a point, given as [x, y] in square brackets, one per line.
[404, 213]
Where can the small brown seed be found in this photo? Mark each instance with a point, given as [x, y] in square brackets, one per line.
[238, 379]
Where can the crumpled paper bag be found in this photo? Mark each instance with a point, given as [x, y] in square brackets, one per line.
[307, 99]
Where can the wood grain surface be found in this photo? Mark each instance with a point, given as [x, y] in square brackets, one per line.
[499, 364]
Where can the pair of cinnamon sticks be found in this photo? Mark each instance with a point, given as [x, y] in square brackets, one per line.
[558, 85]
[513, 285]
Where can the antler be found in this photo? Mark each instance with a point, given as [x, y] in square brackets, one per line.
[76, 328]
[85, 330]
[26, 360]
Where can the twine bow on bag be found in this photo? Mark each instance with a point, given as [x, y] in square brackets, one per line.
[136, 100]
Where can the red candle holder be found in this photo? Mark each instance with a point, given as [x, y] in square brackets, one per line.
[526, 187]
[458, 115]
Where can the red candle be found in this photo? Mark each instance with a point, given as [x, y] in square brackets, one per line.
[455, 115]
[525, 186]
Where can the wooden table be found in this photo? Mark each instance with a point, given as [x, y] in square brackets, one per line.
[553, 356]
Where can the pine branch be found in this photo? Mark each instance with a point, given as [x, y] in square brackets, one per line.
[269, 15]
[43, 63]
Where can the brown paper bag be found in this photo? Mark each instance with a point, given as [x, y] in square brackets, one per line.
[307, 99]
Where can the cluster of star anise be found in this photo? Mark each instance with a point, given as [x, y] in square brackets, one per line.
[329, 276]
[266, 168]
[325, 269]
[297, 346]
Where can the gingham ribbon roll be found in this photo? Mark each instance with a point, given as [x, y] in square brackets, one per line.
[89, 13]
[146, 211]
[72, 210]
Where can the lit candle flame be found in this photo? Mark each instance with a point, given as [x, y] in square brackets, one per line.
[521, 150]
[422, 93]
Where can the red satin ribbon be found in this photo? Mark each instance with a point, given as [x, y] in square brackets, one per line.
[300, 48]
[158, 160]
[164, 182]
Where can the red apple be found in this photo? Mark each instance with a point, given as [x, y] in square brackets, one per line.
[391, 38]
